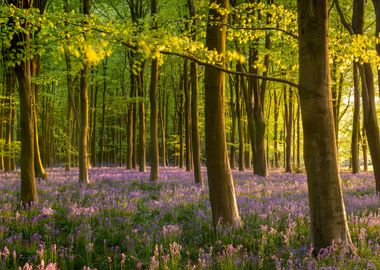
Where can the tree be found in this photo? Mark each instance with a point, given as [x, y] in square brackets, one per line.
[327, 211]
[21, 41]
[221, 186]
[83, 138]
[155, 160]
[371, 125]
[195, 141]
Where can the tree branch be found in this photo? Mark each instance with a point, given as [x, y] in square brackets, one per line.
[246, 74]
[263, 29]
[343, 19]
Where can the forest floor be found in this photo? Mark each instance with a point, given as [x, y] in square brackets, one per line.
[121, 221]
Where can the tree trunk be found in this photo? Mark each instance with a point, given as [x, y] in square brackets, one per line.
[2, 122]
[276, 108]
[155, 159]
[249, 108]
[101, 143]
[21, 41]
[195, 141]
[180, 132]
[9, 84]
[196, 145]
[239, 119]
[370, 119]
[35, 72]
[364, 149]
[94, 126]
[327, 211]
[233, 127]
[83, 134]
[131, 107]
[298, 137]
[142, 126]
[259, 160]
[162, 96]
[186, 88]
[355, 124]
[376, 4]
[288, 102]
[368, 97]
[221, 186]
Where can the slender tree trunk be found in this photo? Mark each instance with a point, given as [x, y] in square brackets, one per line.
[142, 126]
[247, 152]
[155, 159]
[356, 124]
[83, 134]
[9, 84]
[68, 111]
[186, 88]
[104, 103]
[288, 101]
[248, 98]
[221, 186]
[166, 117]
[154, 114]
[13, 134]
[131, 107]
[233, 127]
[94, 126]
[134, 131]
[276, 108]
[327, 211]
[239, 119]
[180, 132]
[2, 122]
[162, 122]
[196, 145]
[83, 156]
[195, 141]
[299, 137]
[35, 72]
[364, 149]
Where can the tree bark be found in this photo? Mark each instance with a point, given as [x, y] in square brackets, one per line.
[276, 108]
[233, 127]
[180, 131]
[239, 119]
[355, 124]
[142, 126]
[327, 211]
[155, 160]
[221, 186]
[21, 41]
[35, 66]
[83, 134]
[104, 101]
[259, 159]
[288, 102]
[298, 137]
[195, 141]
[186, 88]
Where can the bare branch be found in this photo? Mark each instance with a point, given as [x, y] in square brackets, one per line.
[342, 18]
[246, 74]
